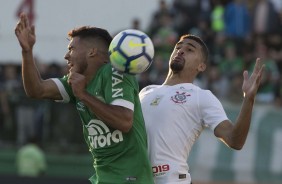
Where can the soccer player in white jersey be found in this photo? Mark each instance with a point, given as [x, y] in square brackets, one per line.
[177, 111]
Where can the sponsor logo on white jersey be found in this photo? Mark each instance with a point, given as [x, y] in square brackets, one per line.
[99, 134]
[160, 170]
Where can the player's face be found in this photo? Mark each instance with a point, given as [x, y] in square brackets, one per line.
[77, 55]
[187, 56]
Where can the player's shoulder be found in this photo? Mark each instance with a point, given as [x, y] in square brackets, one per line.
[207, 92]
[206, 96]
[202, 92]
[149, 88]
[106, 68]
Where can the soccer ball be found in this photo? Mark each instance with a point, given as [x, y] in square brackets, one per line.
[131, 51]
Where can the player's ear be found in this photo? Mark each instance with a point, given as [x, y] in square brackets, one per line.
[92, 52]
[202, 67]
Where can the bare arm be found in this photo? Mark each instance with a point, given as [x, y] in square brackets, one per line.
[115, 116]
[34, 86]
[235, 135]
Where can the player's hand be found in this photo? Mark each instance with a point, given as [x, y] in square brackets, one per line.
[77, 82]
[25, 33]
[251, 84]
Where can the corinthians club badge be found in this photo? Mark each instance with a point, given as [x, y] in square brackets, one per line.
[179, 97]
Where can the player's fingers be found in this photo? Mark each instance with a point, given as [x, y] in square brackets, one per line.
[32, 30]
[25, 21]
[260, 73]
[20, 27]
[21, 21]
[246, 75]
[22, 16]
[257, 65]
[17, 31]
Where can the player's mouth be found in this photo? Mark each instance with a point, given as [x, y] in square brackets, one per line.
[69, 64]
[178, 59]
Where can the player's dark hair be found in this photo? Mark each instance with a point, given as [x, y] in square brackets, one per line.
[205, 49]
[91, 32]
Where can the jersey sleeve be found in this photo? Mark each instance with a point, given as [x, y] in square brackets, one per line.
[120, 89]
[211, 109]
[65, 90]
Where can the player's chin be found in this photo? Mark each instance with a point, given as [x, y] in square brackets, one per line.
[76, 69]
[176, 66]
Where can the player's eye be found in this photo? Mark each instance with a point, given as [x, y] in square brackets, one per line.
[189, 49]
[70, 49]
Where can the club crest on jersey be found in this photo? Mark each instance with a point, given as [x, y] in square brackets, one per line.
[156, 101]
[179, 97]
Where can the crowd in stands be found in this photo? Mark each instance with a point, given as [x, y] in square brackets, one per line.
[236, 33]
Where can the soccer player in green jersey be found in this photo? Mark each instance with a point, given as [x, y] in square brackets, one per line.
[106, 100]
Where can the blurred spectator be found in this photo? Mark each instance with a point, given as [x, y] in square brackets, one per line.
[278, 94]
[266, 19]
[205, 9]
[5, 118]
[237, 19]
[216, 83]
[136, 24]
[43, 113]
[52, 70]
[248, 54]
[231, 63]
[9, 100]
[158, 16]
[185, 13]
[202, 29]
[217, 17]
[235, 94]
[237, 22]
[144, 80]
[266, 92]
[158, 69]
[217, 50]
[190, 7]
[165, 37]
[277, 6]
[31, 161]
[274, 43]
[19, 111]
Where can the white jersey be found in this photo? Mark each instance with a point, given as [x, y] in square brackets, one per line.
[174, 118]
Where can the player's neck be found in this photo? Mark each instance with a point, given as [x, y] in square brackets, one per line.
[173, 79]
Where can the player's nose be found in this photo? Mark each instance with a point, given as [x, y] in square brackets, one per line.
[67, 56]
[180, 52]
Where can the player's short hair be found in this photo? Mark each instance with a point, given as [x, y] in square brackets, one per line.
[85, 32]
[205, 49]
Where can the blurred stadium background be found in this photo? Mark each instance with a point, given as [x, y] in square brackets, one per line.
[236, 32]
